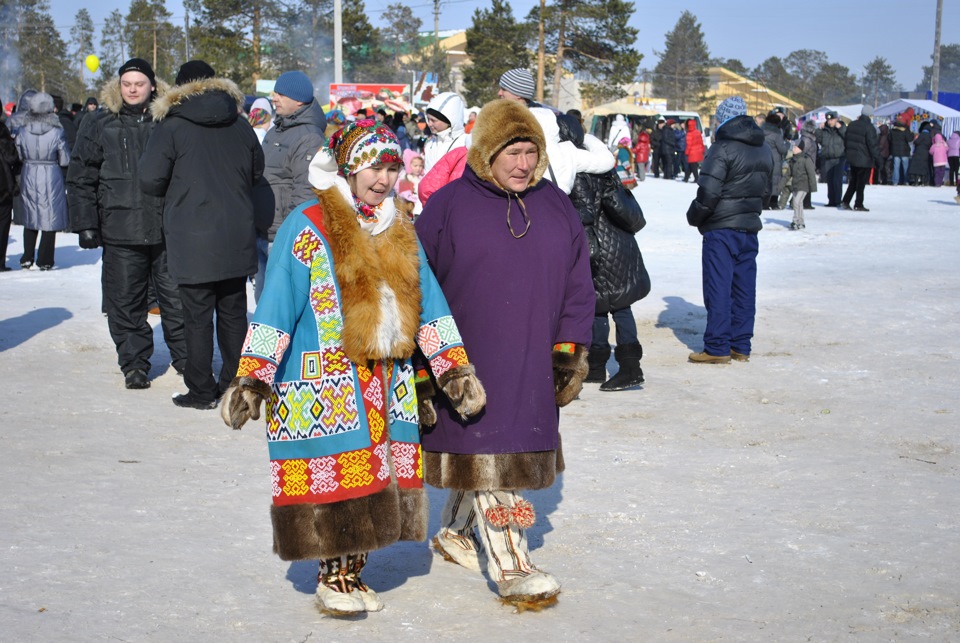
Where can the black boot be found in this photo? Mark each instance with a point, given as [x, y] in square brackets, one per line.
[597, 360]
[630, 374]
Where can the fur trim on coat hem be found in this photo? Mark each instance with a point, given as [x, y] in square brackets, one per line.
[493, 472]
[312, 531]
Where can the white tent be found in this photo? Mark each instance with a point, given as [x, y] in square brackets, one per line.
[846, 112]
[925, 110]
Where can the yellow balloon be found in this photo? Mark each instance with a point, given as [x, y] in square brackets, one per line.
[92, 63]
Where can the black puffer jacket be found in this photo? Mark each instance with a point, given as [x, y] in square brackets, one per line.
[863, 147]
[900, 139]
[102, 187]
[734, 179]
[611, 217]
[831, 142]
[9, 162]
[205, 159]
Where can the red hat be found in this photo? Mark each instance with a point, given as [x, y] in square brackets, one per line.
[8, 108]
[670, 121]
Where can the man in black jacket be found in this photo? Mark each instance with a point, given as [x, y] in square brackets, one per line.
[107, 207]
[863, 153]
[205, 159]
[734, 186]
[832, 160]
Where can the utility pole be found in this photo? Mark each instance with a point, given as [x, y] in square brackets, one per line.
[186, 35]
[154, 44]
[540, 53]
[337, 41]
[935, 74]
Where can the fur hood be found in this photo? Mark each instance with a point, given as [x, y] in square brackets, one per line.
[178, 95]
[112, 100]
[500, 123]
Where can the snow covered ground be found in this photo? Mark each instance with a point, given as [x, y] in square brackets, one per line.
[809, 495]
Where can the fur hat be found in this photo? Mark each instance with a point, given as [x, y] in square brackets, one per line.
[730, 108]
[140, 65]
[295, 85]
[40, 103]
[362, 144]
[194, 70]
[500, 123]
[519, 82]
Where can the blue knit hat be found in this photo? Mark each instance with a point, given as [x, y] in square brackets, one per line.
[729, 108]
[295, 85]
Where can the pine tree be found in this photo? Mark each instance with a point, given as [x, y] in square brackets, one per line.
[113, 45]
[834, 85]
[153, 37]
[803, 66]
[402, 33]
[81, 40]
[42, 51]
[591, 38]
[495, 43]
[949, 70]
[681, 76]
[880, 80]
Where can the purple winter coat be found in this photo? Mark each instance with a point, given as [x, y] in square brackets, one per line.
[512, 299]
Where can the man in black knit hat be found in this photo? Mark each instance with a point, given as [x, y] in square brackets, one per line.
[107, 208]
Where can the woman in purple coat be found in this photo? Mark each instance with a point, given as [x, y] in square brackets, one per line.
[511, 256]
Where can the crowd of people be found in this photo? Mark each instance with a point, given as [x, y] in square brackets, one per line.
[430, 288]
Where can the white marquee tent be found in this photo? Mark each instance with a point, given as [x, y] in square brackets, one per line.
[846, 112]
[925, 110]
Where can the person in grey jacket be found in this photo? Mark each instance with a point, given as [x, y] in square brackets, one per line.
[288, 148]
[42, 205]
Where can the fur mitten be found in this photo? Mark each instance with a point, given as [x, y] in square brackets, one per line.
[569, 369]
[463, 389]
[425, 392]
[241, 401]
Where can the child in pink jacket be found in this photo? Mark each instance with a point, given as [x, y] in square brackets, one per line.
[938, 150]
[953, 157]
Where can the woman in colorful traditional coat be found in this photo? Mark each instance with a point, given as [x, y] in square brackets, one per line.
[348, 297]
[511, 255]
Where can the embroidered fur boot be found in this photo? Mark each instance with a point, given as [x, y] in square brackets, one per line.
[457, 541]
[340, 592]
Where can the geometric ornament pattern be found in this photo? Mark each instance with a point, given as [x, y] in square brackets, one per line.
[305, 245]
[265, 342]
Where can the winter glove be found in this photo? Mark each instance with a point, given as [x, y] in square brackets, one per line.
[463, 389]
[425, 392]
[89, 239]
[569, 369]
[241, 401]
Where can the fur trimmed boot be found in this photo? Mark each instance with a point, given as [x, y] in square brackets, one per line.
[597, 361]
[340, 592]
[630, 373]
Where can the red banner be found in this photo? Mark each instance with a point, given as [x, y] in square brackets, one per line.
[351, 98]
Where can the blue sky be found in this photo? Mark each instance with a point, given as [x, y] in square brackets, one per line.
[850, 32]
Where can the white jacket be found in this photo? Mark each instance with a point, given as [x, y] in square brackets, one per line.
[451, 106]
[566, 159]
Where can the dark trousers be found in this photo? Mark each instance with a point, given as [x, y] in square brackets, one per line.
[48, 242]
[655, 163]
[954, 162]
[666, 160]
[127, 273]
[859, 176]
[625, 324]
[729, 290]
[833, 171]
[6, 216]
[228, 299]
[692, 168]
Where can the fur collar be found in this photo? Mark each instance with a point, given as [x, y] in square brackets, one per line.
[112, 100]
[500, 122]
[379, 277]
[176, 95]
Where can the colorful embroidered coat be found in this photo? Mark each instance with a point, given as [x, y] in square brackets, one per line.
[343, 435]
